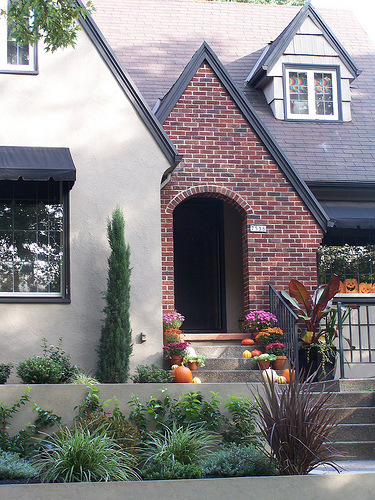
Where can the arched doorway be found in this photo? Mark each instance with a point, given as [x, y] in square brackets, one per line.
[208, 276]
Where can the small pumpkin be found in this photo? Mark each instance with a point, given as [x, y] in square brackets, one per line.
[173, 367]
[196, 380]
[256, 352]
[289, 375]
[246, 354]
[351, 285]
[182, 375]
[365, 288]
[247, 342]
[281, 380]
[269, 375]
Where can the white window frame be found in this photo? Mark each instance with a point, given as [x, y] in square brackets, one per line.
[310, 71]
[4, 65]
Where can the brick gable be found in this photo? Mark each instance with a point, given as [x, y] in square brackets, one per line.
[223, 158]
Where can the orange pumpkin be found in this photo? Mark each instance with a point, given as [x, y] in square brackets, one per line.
[342, 287]
[182, 375]
[289, 375]
[365, 288]
[256, 352]
[351, 285]
[247, 342]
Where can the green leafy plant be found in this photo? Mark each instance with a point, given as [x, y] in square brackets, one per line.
[57, 354]
[12, 466]
[242, 426]
[186, 445]
[84, 379]
[72, 455]
[199, 358]
[115, 346]
[170, 469]
[6, 414]
[238, 460]
[264, 357]
[296, 423]
[38, 370]
[56, 23]
[5, 370]
[151, 374]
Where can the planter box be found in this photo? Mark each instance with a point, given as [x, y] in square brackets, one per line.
[336, 486]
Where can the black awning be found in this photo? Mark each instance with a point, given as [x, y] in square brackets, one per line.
[36, 164]
[351, 215]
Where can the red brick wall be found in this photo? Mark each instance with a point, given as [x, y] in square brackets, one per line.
[224, 158]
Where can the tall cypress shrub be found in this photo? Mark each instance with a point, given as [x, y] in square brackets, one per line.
[115, 345]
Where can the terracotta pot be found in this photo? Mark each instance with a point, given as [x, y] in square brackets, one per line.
[175, 360]
[279, 364]
[193, 365]
[263, 365]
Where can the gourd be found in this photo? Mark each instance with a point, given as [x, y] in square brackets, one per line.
[246, 354]
[196, 380]
[269, 375]
[247, 342]
[173, 367]
[289, 374]
[256, 352]
[182, 375]
[280, 380]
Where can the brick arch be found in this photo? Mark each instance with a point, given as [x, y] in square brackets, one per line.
[211, 191]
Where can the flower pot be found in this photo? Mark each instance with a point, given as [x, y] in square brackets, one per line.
[263, 365]
[312, 360]
[279, 364]
[193, 365]
[175, 360]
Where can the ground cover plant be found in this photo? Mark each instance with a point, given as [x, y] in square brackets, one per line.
[151, 374]
[12, 466]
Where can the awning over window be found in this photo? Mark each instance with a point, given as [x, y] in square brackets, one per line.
[36, 164]
[351, 215]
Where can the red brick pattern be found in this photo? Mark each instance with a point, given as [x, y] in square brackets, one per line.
[223, 158]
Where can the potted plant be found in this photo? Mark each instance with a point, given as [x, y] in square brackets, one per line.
[175, 352]
[172, 322]
[317, 352]
[279, 350]
[264, 360]
[269, 335]
[194, 360]
[259, 320]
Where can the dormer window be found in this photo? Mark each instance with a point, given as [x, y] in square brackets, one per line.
[14, 58]
[311, 93]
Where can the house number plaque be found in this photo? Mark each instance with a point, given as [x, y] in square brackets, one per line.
[258, 229]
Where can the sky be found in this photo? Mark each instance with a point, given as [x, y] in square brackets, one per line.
[364, 10]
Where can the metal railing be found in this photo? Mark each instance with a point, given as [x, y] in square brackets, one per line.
[287, 321]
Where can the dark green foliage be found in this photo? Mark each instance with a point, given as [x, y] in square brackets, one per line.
[6, 414]
[5, 370]
[237, 460]
[151, 374]
[242, 427]
[296, 422]
[170, 469]
[189, 409]
[57, 354]
[115, 345]
[14, 467]
[56, 23]
[37, 370]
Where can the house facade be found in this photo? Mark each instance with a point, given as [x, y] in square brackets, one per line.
[257, 154]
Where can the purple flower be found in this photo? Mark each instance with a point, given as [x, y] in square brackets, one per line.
[258, 320]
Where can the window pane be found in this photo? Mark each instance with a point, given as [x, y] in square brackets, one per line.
[323, 93]
[298, 93]
[31, 238]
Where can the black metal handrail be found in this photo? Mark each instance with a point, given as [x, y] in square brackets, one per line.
[287, 321]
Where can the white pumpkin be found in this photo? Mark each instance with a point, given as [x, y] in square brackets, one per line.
[269, 375]
[190, 351]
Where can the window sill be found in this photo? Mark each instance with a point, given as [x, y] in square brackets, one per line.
[35, 300]
[19, 72]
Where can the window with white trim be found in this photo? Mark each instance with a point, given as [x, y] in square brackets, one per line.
[32, 239]
[14, 57]
[311, 94]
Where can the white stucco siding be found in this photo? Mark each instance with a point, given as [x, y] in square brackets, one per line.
[76, 102]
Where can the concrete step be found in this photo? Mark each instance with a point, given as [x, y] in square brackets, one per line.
[352, 399]
[366, 384]
[219, 376]
[361, 415]
[354, 432]
[355, 450]
[224, 351]
[230, 364]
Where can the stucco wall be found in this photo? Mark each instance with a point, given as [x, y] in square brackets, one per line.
[75, 102]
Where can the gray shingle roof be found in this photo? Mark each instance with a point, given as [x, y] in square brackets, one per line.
[155, 39]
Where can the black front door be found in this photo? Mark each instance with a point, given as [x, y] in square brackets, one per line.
[199, 264]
